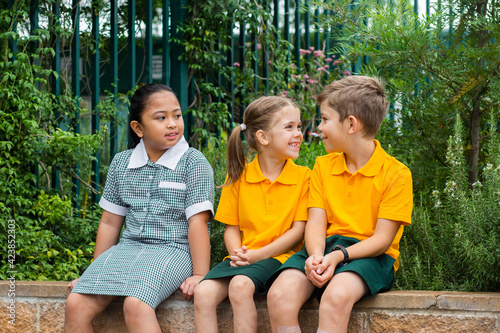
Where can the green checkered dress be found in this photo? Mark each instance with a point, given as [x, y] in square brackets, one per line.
[152, 258]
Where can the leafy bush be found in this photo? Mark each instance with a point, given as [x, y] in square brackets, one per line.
[452, 243]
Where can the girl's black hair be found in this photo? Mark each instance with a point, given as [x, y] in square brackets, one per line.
[139, 103]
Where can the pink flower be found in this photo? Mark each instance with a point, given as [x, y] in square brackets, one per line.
[313, 96]
[336, 62]
[284, 93]
[311, 48]
[259, 47]
[306, 76]
[326, 66]
[269, 62]
[304, 52]
[319, 54]
[236, 64]
[328, 59]
[311, 81]
[346, 73]
[322, 69]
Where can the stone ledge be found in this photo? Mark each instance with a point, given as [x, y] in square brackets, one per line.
[40, 308]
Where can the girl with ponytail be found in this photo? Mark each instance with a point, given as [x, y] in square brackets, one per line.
[264, 207]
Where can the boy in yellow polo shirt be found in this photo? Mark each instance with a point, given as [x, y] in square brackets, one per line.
[359, 200]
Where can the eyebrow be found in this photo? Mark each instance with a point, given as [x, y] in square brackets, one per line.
[162, 111]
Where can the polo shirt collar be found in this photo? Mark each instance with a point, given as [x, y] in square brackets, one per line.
[371, 168]
[169, 159]
[288, 175]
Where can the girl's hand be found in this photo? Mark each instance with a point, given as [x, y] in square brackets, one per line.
[240, 257]
[189, 285]
[72, 283]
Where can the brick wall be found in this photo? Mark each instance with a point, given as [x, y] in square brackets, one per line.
[39, 307]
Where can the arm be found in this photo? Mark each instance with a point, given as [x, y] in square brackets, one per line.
[374, 246]
[315, 236]
[199, 246]
[285, 242]
[232, 240]
[108, 233]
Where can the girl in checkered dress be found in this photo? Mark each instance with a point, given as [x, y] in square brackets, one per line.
[263, 204]
[163, 191]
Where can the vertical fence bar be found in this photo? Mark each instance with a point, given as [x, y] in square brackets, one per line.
[286, 36]
[265, 65]
[34, 24]
[179, 68]
[317, 37]
[148, 43]
[75, 86]
[230, 62]
[297, 35]
[255, 62]
[165, 68]
[131, 43]
[242, 49]
[56, 82]
[307, 28]
[113, 145]
[13, 41]
[95, 90]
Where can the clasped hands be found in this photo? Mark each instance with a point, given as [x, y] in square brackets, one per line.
[319, 269]
[243, 257]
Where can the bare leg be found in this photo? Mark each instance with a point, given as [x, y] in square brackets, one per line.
[241, 291]
[81, 309]
[207, 295]
[285, 298]
[339, 297]
[139, 316]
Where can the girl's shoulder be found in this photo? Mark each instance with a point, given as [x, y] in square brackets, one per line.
[193, 156]
[121, 159]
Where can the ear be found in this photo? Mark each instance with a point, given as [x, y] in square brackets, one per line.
[137, 128]
[262, 137]
[354, 124]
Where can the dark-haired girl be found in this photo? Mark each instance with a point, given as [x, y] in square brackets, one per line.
[264, 207]
[164, 191]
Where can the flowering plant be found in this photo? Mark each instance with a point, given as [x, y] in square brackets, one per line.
[306, 81]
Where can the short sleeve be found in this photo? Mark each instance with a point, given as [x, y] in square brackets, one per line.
[111, 200]
[316, 188]
[397, 201]
[301, 214]
[199, 185]
[227, 211]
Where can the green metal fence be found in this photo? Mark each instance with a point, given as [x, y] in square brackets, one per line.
[147, 55]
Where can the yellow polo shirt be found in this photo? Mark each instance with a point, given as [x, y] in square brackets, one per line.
[263, 210]
[354, 202]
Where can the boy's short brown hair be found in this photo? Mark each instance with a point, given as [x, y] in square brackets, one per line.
[360, 96]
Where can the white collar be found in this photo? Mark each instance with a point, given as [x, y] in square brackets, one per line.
[169, 159]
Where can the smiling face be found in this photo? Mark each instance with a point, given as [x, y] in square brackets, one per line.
[161, 125]
[333, 132]
[285, 136]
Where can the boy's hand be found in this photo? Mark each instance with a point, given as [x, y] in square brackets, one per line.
[312, 264]
[189, 285]
[324, 271]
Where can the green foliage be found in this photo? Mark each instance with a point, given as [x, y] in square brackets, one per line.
[433, 71]
[35, 149]
[452, 243]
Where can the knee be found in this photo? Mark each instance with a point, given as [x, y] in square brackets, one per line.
[77, 310]
[134, 310]
[337, 299]
[241, 290]
[277, 300]
[204, 297]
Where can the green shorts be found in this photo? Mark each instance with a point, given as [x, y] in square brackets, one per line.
[258, 272]
[378, 272]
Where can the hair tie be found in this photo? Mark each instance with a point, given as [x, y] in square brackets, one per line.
[243, 126]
